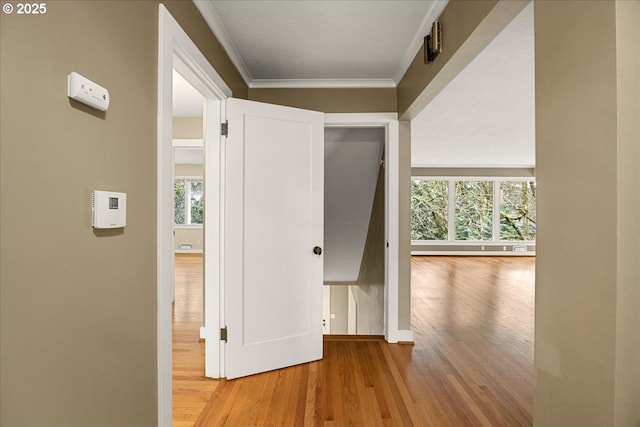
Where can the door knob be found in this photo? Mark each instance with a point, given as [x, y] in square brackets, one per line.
[317, 250]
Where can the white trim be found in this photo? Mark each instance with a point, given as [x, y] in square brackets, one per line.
[321, 83]
[472, 166]
[187, 143]
[175, 51]
[392, 168]
[352, 312]
[188, 251]
[326, 310]
[474, 242]
[203, 332]
[474, 253]
[189, 177]
[209, 14]
[188, 226]
[451, 210]
[473, 178]
[213, 280]
[402, 335]
[359, 119]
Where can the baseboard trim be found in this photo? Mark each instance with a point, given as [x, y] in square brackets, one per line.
[340, 337]
[401, 336]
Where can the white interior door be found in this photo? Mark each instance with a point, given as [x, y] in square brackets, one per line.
[273, 221]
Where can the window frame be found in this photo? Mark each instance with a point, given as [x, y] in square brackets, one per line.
[187, 201]
[495, 238]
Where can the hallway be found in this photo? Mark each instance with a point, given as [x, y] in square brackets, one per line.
[472, 362]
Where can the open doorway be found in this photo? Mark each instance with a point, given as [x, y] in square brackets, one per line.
[188, 371]
[354, 213]
[177, 52]
[473, 223]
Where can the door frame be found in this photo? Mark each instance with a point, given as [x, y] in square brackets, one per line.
[388, 121]
[177, 50]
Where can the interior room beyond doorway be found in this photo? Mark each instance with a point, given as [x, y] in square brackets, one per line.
[354, 219]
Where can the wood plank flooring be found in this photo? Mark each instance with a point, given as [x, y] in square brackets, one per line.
[471, 365]
[191, 389]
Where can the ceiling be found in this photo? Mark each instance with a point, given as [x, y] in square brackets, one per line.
[321, 43]
[187, 101]
[483, 118]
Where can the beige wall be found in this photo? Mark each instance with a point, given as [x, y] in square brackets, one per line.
[189, 235]
[586, 336]
[627, 390]
[587, 285]
[78, 306]
[339, 309]
[459, 19]
[331, 100]
[188, 128]
[188, 170]
[404, 224]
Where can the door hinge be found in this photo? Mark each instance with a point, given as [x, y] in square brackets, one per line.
[223, 334]
[224, 128]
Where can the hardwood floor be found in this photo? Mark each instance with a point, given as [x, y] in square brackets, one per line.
[471, 365]
[191, 389]
[472, 318]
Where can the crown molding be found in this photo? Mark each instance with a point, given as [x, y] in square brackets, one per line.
[211, 17]
[208, 12]
[321, 83]
[437, 7]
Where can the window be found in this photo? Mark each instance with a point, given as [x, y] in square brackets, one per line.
[188, 201]
[517, 210]
[474, 210]
[430, 210]
[482, 209]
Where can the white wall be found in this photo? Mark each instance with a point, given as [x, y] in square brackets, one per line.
[486, 116]
[352, 161]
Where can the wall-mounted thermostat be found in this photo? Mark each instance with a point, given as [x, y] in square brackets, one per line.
[108, 209]
[84, 90]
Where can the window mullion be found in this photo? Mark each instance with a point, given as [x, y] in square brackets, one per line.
[452, 210]
[496, 210]
[187, 203]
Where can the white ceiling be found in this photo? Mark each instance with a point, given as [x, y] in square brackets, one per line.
[187, 101]
[486, 116]
[483, 118]
[347, 42]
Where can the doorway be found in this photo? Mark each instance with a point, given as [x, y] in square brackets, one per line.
[177, 51]
[354, 231]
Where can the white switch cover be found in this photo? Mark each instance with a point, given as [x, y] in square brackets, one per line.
[84, 90]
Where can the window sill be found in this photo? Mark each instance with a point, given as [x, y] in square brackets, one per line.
[188, 226]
